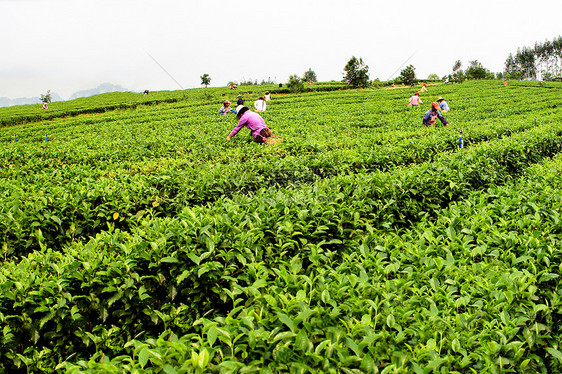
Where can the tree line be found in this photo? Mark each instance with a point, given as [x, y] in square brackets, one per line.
[543, 61]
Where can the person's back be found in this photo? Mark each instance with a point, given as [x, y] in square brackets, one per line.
[252, 120]
[443, 104]
[260, 104]
[415, 100]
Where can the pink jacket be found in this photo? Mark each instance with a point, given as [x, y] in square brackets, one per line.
[414, 100]
[251, 120]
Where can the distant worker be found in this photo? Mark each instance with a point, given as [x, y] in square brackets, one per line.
[226, 108]
[443, 105]
[146, 92]
[505, 82]
[424, 88]
[415, 100]
[253, 121]
[431, 115]
[240, 101]
[260, 104]
[45, 106]
[267, 96]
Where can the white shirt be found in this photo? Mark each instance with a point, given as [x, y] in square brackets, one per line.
[260, 105]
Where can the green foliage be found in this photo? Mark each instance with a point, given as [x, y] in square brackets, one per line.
[356, 73]
[408, 75]
[134, 241]
[477, 71]
[550, 77]
[457, 66]
[205, 80]
[458, 75]
[295, 84]
[377, 83]
[309, 76]
[433, 77]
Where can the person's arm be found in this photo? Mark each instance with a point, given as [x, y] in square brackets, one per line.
[442, 119]
[241, 124]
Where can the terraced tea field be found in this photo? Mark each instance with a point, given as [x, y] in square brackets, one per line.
[137, 239]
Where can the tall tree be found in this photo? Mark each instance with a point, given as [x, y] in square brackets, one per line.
[356, 73]
[408, 75]
[457, 66]
[477, 71]
[458, 75]
[46, 98]
[309, 76]
[205, 80]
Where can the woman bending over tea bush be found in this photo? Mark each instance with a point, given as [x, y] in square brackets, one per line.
[253, 121]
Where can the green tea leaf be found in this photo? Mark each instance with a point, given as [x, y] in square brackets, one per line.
[555, 353]
[169, 259]
[143, 357]
[212, 335]
[287, 321]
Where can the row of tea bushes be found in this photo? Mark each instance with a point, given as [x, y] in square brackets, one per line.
[168, 272]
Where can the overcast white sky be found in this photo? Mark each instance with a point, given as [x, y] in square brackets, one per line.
[71, 45]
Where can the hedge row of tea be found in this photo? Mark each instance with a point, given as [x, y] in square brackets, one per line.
[141, 240]
[474, 289]
[51, 200]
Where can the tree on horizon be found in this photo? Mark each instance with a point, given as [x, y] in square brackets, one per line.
[356, 72]
[205, 80]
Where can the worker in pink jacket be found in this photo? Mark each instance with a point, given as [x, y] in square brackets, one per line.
[253, 121]
[415, 100]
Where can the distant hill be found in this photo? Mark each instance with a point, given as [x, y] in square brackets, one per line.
[5, 101]
[102, 88]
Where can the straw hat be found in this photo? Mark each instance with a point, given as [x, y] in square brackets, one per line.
[440, 98]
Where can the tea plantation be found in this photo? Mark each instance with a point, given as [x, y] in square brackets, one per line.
[135, 238]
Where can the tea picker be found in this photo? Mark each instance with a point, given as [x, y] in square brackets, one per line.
[432, 114]
[254, 122]
[461, 144]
